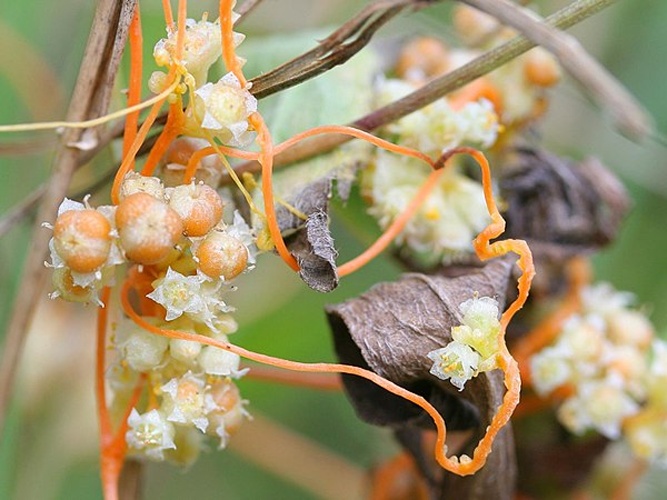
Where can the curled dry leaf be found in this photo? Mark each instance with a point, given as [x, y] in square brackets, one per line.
[389, 330]
[561, 208]
[311, 242]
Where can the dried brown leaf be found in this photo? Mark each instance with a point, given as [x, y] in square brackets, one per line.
[389, 330]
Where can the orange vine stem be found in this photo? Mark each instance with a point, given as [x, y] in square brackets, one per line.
[321, 382]
[128, 161]
[168, 15]
[394, 228]
[197, 156]
[228, 51]
[354, 132]
[266, 160]
[134, 88]
[169, 132]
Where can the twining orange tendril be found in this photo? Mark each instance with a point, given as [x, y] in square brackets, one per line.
[168, 15]
[171, 129]
[318, 381]
[199, 155]
[128, 160]
[579, 276]
[394, 228]
[113, 446]
[134, 88]
[228, 51]
[353, 132]
[266, 160]
[512, 380]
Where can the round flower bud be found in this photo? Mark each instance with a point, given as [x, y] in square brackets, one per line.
[473, 25]
[148, 228]
[422, 58]
[541, 68]
[143, 350]
[184, 350]
[227, 412]
[199, 206]
[219, 362]
[82, 239]
[222, 255]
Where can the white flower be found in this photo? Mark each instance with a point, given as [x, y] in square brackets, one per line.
[150, 434]
[550, 369]
[224, 108]
[607, 405]
[178, 294]
[184, 401]
[480, 325]
[201, 48]
[456, 362]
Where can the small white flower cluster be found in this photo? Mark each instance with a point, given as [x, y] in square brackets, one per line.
[192, 387]
[448, 219]
[216, 110]
[455, 211]
[438, 126]
[474, 348]
[614, 369]
[201, 49]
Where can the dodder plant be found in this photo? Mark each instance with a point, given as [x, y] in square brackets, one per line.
[422, 355]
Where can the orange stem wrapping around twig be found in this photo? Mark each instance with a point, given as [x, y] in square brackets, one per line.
[134, 88]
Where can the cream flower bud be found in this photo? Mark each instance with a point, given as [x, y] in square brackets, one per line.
[184, 350]
[219, 362]
[142, 350]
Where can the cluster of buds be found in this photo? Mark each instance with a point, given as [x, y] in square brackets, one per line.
[178, 236]
[475, 346]
[610, 365]
[506, 99]
[192, 387]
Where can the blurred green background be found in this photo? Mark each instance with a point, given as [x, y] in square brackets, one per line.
[49, 450]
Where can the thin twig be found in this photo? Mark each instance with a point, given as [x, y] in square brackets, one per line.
[629, 116]
[334, 50]
[89, 99]
[245, 9]
[130, 483]
[437, 88]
